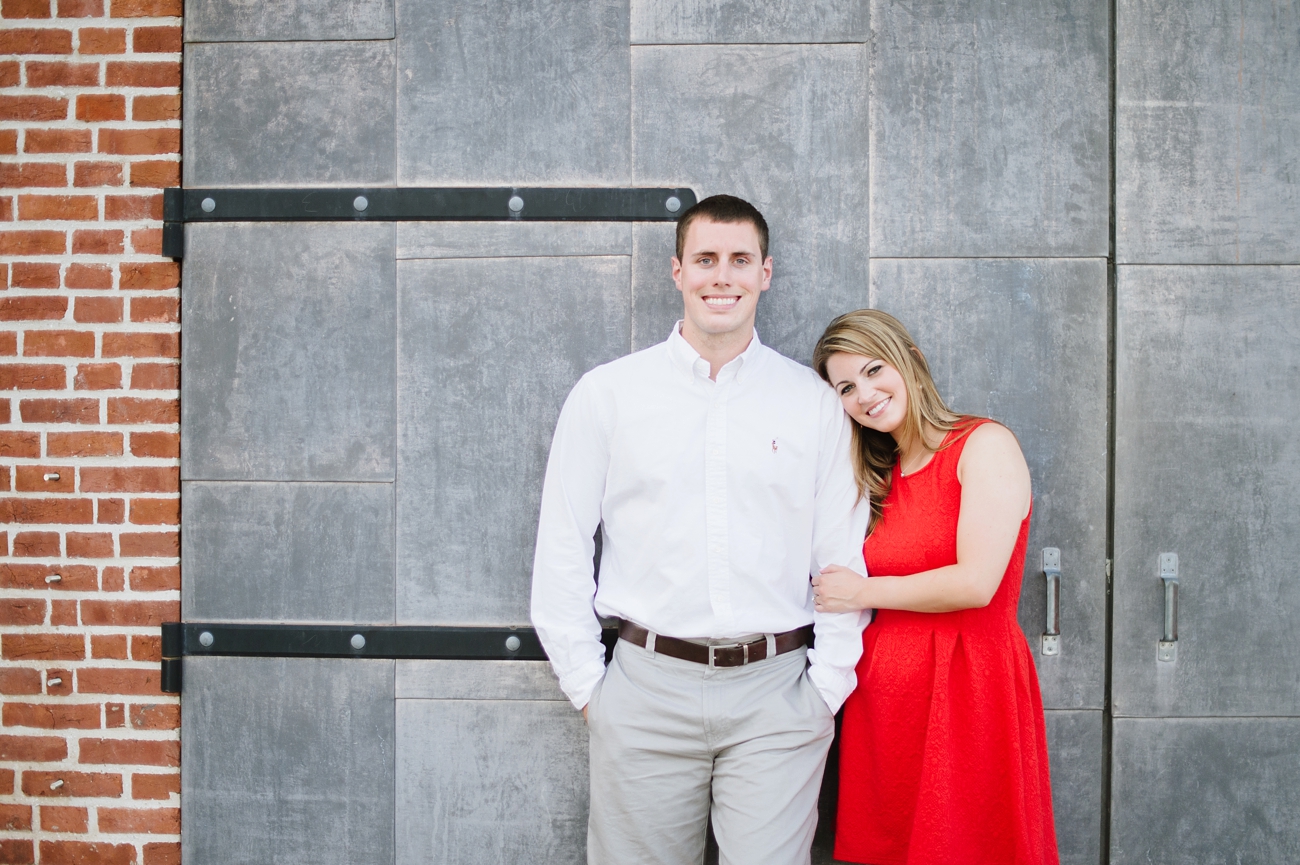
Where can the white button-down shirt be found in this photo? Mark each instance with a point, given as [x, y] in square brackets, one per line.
[717, 501]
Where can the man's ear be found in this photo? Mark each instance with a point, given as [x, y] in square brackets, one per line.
[677, 272]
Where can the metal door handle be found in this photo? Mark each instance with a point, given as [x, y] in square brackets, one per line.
[1167, 649]
[1052, 571]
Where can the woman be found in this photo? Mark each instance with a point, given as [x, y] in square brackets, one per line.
[943, 753]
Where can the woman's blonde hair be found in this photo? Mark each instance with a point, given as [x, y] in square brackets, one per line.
[878, 335]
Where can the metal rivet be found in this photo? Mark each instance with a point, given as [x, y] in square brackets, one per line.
[358, 641]
[205, 638]
[53, 578]
[673, 204]
[52, 682]
[208, 205]
[57, 784]
[512, 643]
[516, 204]
[51, 476]
[360, 203]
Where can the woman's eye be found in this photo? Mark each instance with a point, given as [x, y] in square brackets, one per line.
[847, 388]
[875, 369]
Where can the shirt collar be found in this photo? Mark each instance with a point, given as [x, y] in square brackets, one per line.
[688, 360]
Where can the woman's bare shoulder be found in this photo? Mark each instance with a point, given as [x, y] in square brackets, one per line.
[993, 446]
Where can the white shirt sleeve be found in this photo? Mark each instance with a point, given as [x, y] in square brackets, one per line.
[564, 588]
[839, 528]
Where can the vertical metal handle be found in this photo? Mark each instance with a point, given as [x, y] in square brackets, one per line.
[1052, 571]
[1167, 649]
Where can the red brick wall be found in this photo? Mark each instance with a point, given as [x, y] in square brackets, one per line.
[89, 488]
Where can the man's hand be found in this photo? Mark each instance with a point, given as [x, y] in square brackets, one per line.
[836, 590]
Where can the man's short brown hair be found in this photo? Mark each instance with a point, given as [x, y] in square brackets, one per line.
[727, 209]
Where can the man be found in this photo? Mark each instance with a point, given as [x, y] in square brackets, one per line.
[718, 472]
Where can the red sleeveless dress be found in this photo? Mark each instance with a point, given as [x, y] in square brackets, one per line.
[943, 751]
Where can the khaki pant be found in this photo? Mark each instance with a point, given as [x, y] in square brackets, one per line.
[672, 740]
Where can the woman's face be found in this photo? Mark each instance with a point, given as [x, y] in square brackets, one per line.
[871, 391]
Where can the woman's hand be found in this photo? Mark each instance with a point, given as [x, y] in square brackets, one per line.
[836, 590]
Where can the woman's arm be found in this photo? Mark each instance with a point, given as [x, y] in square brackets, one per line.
[995, 499]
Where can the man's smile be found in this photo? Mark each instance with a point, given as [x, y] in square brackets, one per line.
[721, 301]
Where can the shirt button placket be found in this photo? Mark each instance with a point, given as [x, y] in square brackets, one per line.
[715, 493]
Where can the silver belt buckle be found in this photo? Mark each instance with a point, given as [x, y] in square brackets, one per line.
[745, 646]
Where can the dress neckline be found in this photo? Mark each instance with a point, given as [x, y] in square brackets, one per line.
[934, 457]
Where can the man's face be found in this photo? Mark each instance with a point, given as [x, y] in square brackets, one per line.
[720, 276]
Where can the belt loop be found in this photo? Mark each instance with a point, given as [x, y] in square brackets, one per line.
[650, 641]
[771, 645]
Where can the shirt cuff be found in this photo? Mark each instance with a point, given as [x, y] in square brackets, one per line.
[579, 685]
[833, 685]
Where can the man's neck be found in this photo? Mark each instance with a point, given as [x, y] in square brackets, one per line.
[719, 349]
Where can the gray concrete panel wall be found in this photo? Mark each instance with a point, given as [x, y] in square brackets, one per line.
[287, 20]
[989, 128]
[483, 782]
[1194, 790]
[289, 352]
[1206, 466]
[534, 92]
[1074, 750]
[1024, 341]
[656, 302]
[416, 240]
[1206, 124]
[477, 680]
[289, 113]
[287, 761]
[657, 22]
[287, 552]
[488, 350]
[781, 126]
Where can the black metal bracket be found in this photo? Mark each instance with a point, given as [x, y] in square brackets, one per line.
[416, 204]
[407, 642]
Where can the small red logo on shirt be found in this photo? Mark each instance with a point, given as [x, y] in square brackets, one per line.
[773, 445]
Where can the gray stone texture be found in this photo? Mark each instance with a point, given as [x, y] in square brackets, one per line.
[520, 93]
[286, 113]
[748, 21]
[483, 782]
[512, 239]
[1205, 790]
[989, 128]
[289, 352]
[287, 20]
[287, 761]
[477, 680]
[1074, 751]
[488, 350]
[656, 302]
[783, 127]
[1206, 461]
[1207, 120]
[1024, 342]
[287, 552]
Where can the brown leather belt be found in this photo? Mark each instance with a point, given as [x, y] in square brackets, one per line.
[735, 655]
